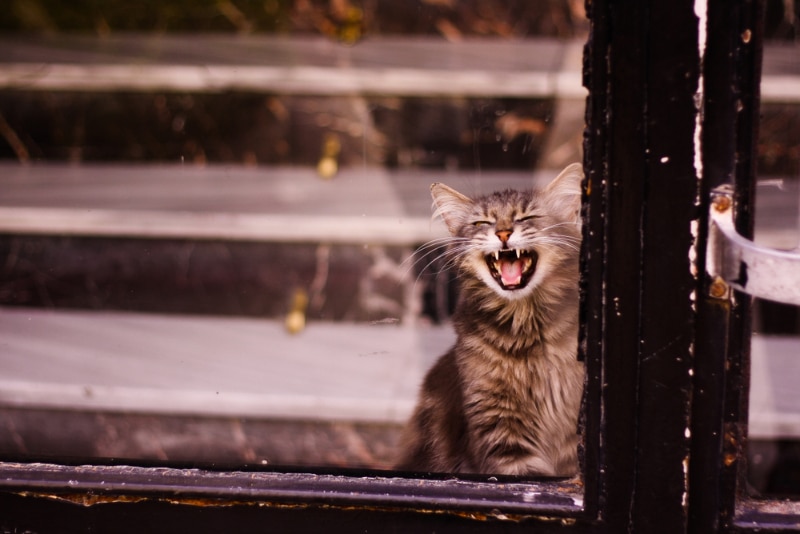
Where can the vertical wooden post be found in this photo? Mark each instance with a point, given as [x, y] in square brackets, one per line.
[642, 68]
[731, 76]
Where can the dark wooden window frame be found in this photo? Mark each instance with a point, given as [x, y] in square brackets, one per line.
[665, 418]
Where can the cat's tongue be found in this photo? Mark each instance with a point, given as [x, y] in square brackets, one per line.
[511, 272]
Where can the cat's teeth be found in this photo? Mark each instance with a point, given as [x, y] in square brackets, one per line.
[497, 255]
[518, 252]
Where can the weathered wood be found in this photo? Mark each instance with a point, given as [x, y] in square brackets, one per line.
[642, 187]
[731, 71]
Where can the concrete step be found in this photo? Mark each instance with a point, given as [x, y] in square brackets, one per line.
[407, 66]
[216, 389]
[231, 240]
[230, 202]
[224, 389]
[213, 366]
[277, 204]
[279, 100]
[227, 240]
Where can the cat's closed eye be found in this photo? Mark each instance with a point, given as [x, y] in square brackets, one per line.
[482, 223]
[527, 218]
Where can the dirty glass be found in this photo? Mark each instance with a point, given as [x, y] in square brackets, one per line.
[774, 414]
[211, 213]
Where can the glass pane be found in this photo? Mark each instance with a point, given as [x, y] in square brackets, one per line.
[774, 430]
[214, 215]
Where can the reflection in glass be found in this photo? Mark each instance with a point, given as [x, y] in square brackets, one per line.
[208, 239]
[774, 414]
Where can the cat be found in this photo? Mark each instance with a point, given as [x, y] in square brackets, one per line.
[505, 398]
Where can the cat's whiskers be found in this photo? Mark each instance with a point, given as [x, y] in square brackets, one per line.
[556, 225]
[447, 253]
[427, 249]
[454, 254]
[444, 248]
[564, 241]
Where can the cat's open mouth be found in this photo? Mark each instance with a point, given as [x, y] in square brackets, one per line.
[512, 269]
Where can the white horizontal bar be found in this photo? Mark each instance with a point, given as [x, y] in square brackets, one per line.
[780, 89]
[203, 365]
[293, 80]
[228, 226]
[176, 401]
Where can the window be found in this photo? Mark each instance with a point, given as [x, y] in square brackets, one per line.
[664, 421]
[772, 447]
[772, 409]
[209, 246]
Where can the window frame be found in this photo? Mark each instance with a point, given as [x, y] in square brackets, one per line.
[665, 407]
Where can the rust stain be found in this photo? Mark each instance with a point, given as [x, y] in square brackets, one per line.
[731, 446]
[84, 499]
[722, 203]
[91, 500]
[718, 288]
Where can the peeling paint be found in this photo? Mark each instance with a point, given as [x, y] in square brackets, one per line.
[701, 11]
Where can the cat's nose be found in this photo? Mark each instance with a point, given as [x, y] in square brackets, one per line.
[503, 235]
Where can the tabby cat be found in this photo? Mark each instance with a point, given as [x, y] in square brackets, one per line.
[505, 398]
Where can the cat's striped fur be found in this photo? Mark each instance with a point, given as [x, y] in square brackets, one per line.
[505, 398]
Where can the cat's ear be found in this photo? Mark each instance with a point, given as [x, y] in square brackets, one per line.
[451, 206]
[564, 193]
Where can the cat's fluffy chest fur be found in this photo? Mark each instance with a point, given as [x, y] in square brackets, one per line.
[505, 398]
